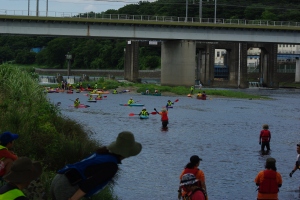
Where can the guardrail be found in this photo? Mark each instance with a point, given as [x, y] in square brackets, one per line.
[92, 15]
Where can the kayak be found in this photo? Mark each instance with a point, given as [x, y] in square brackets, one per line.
[91, 94]
[133, 104]
[70, 91]
[201, 98]
[98, 98]
[144, 116]
[169, 106]
[102, 92]
[151, 94]
[80, 106]
[94, 101]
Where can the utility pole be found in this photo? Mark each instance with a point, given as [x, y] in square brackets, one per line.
[28, 7]
[37, 7]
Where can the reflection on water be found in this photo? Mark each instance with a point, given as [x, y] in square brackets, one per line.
[224, 132]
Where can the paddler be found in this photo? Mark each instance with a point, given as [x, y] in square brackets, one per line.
[76, 102]
[91, 97]
[99, 96]
[130, 101]
[169, 104]
[144, 112]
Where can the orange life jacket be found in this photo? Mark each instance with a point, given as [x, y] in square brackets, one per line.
[269, 184]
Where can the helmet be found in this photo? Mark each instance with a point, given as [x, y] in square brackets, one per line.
[130, 97]
[188, 179]
[144, 108]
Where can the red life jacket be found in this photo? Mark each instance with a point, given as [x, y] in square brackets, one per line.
[164, 116]
[265, 136]
[269, 185]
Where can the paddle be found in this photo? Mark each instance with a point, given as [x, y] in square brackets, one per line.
[132, 114]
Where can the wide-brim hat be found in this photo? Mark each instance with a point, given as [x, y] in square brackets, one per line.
[23, 170]
[125, 145]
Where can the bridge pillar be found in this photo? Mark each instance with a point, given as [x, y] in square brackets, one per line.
[178, 63]
[131, 65]
[297, 72]
[269, 65]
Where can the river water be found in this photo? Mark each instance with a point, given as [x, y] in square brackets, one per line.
[224, 132]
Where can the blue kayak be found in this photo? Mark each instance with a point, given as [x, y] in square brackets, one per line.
[144, 116]
[133, 104]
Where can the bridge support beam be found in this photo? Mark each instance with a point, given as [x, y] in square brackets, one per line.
[131, 65]
[297, 72]
[268, 71]
[178, 62]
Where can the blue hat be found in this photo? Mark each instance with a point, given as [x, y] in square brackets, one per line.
[7, 137]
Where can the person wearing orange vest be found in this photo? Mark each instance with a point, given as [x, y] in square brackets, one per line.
[265, 138]
[164, 117]
[192, 167]
[269, 181]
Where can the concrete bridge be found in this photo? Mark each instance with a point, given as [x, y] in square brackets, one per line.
[187, 46]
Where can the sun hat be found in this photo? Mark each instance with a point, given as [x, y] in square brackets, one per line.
[188, 179]
[125, 145]
[7, 137]
[23, 170]
[195, 159]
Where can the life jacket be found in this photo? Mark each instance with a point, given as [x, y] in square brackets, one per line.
[115, 92]
[11, 194]
[169, 103]
[269, 184]
[265, 135]
[144, 112]
[164, 116]
[130, 101]
[91, 160]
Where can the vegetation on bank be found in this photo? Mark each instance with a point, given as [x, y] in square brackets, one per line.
[44, 134]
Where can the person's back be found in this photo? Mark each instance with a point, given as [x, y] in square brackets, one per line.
[7, 157]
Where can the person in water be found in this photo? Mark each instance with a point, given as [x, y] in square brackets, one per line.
[115, 91]
[92, 174]
[193, 168]
[169, 104]
[147, 91]
[76, 102]
[268, 181]
[130, 101]
[144, 112]
[189, 183]
[297, 164]
[99, 96]
[164, 117]
[91, 97]
[265, 138]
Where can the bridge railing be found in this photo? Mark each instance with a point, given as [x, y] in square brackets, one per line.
[92, 15]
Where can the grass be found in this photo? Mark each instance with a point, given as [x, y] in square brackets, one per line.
[44, 134]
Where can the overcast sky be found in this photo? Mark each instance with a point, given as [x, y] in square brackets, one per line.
[74, 6]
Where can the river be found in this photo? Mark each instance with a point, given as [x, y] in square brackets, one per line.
[224, 132]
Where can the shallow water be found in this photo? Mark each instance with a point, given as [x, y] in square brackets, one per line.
[224, 132]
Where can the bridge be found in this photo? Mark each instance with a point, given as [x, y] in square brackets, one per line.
[182, 40]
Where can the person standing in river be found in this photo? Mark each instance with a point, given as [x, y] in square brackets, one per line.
[193, 168]
[164, 117]
[268, 181]
[265, 138]
[297, 164]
